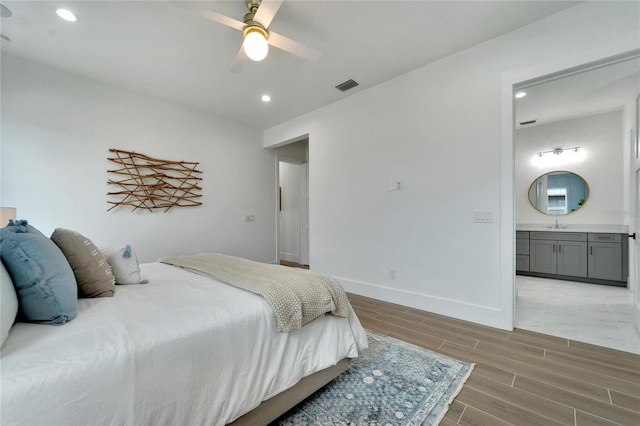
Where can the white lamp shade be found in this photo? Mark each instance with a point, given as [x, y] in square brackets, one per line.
[256, 46]
[6, 214]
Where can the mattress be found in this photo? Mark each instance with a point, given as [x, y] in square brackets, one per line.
[184, 349]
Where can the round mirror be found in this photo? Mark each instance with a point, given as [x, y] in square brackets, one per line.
[559, 192]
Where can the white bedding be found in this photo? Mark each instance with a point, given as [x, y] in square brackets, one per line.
[181, 350]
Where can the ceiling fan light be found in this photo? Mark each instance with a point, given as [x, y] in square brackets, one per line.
[255, 45]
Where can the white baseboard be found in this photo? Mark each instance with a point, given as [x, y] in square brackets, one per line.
[484, 315]
[290, 257]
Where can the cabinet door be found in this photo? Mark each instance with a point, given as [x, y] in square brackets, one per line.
[522, 262]
[572, 258]
[522, 246]
[605, 261]
[542, 256]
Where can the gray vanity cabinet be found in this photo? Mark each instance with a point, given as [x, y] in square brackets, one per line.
[559, 253]
[605, 256]
[598, 258]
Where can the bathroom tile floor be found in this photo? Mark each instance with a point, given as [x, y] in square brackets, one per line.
[597, 314]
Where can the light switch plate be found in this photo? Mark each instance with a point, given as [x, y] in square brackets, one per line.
[482, 216]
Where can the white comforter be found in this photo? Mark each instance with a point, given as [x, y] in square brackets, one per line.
[181, 350]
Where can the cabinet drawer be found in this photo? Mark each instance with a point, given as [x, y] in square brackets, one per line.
[557, 236]
[606, 238]
[522, 235]
[522, 263]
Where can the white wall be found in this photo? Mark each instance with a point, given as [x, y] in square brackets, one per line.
[438, 129]
[289, 228]
[599, 136]
[57, 128]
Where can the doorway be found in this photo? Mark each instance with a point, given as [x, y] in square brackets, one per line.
[292, 204]
[563, 107]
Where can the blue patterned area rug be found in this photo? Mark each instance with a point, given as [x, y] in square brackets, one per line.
[391, 383]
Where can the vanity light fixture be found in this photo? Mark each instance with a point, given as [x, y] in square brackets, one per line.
[67, 15]
[558, 151]
[266, 98]
[558, 157]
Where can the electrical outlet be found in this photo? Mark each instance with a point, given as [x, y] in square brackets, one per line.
[249, 218]
[395, 185]
[392, 274]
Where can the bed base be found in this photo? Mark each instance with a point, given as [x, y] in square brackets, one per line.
[273, 408]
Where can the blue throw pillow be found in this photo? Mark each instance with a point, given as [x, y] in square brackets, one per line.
[46, 287]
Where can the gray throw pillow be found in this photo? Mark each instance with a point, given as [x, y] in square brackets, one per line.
[92, 272]
[46, 288]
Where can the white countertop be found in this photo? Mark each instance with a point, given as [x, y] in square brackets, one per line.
[566, 227]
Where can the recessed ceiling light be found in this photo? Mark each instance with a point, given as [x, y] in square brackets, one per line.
[266, 98]
[521, 95]
[67, 15]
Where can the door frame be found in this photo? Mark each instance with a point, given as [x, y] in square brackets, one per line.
[511, 82]
[305, 227]
[634, 170]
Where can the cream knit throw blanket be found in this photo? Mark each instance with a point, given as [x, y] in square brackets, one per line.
[297, 296]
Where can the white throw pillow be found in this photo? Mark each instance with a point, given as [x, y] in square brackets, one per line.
[9, 306]
[124, 264]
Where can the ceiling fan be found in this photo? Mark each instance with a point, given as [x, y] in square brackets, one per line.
[255, 29]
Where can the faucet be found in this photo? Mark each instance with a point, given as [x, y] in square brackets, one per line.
[552, 226]
[558, 226]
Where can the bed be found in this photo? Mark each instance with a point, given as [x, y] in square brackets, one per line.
[185, 349]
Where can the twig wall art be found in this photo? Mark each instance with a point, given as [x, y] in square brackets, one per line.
[150, 183]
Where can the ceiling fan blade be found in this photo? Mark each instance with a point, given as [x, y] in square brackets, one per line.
[209, 14]
[291, 46]
[241, 60]
[225, 20]
[266, 11]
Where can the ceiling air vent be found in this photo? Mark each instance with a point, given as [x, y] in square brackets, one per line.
[524, 123]
[346, 85]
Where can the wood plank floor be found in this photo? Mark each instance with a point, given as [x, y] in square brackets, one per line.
[520, 377]
[293, 264]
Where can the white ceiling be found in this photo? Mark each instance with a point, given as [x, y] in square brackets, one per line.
[593, 91]
[156, 48]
